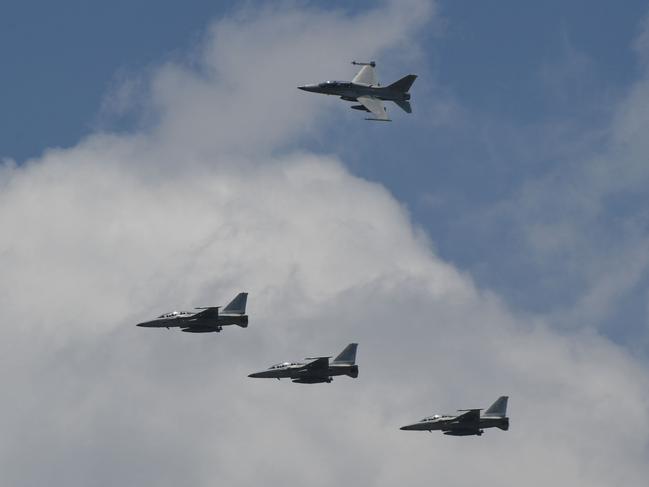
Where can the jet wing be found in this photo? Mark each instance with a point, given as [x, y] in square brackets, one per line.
[211, 312]
[375, 106]
[319, 363]
[470, 417]
[366, 76]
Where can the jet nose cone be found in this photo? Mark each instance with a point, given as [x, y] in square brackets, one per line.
[311, 88]
[254, 375]
[148, 324]
[407, 427]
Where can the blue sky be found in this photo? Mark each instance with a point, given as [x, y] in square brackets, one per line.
[158, 156]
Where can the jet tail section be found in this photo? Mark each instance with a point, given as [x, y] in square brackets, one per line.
[498, 408]
[404, 84]
[347, 356]
[404, 105]
[353, 371]
[237, 305]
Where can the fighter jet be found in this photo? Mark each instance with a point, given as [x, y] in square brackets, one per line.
[206, 320]
[366, 90]
[470, 422]
[317, 369]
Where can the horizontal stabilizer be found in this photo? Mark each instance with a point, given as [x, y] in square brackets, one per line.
[404, 105]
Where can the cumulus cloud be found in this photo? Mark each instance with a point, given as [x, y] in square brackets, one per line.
[215, 198]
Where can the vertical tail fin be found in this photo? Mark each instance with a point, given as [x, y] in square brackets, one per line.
[498, 408]
[237, 305]
[347, 356]
[404, 84]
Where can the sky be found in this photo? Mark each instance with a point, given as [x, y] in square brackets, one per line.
[495, 241]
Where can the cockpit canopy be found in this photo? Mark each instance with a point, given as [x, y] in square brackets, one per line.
[283, 364]
[175, 314]
[431, 418]
[332, 83]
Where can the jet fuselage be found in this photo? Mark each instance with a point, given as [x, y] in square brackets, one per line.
[351, 91]
[207, 320]
[188, 319]
[469, 422]
[450, 426]
[298, 372]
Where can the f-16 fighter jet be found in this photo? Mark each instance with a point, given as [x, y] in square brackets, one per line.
[366, 90]
[206, 320]
[317, 369]
[470, 422]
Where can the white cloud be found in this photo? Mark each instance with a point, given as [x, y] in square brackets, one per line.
[116, 229]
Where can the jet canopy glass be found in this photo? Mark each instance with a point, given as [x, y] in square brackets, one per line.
[174, 314]
[430, 418]
[283, 364]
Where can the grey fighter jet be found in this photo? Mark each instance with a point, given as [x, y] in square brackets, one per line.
[366, 90]
[206, 320]
[315, 369]
[470, 422]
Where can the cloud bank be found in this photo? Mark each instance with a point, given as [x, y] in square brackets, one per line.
[215, 197]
